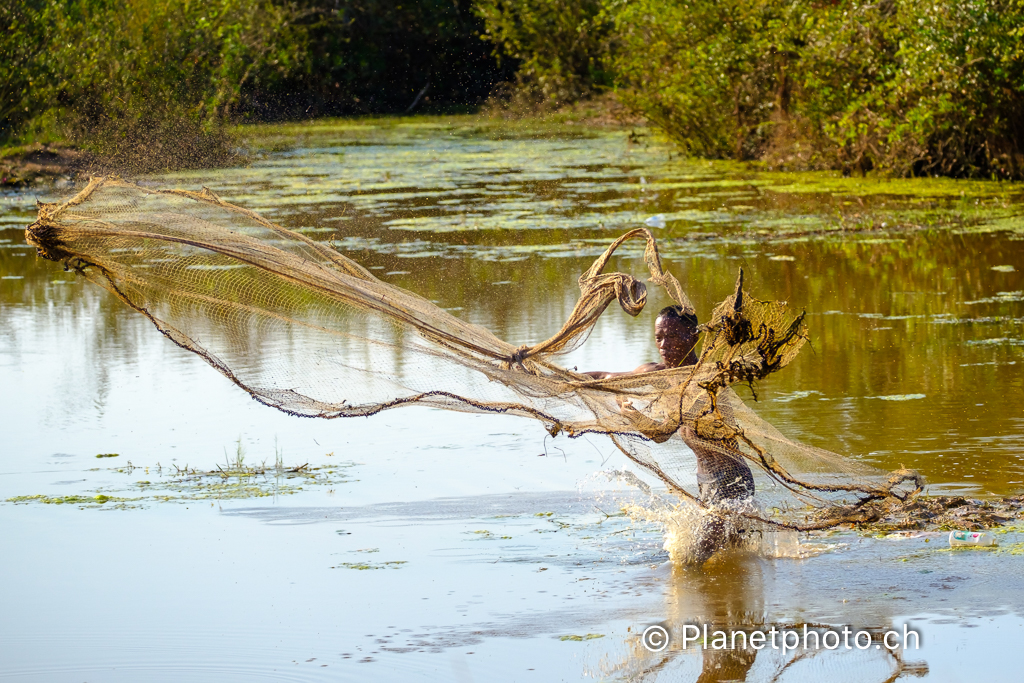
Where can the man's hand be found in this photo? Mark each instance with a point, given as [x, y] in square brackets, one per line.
[597, 374]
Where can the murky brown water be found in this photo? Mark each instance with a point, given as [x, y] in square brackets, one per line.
[917, 360]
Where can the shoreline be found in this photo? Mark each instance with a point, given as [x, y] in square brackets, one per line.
[23, 165]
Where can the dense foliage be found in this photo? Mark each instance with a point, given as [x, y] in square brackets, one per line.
[913, 87]
[381, 56]
[144, 83]
[910, 87]
[149, 70]
[562, 45]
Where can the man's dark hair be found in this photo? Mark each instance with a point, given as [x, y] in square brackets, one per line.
[676, 312]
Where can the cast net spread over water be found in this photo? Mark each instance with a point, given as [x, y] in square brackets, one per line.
[306, 330]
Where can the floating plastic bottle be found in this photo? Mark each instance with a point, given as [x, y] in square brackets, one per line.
[971, 539]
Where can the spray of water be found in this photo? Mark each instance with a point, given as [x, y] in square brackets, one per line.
[693, 535]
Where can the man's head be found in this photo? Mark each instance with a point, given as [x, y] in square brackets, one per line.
[675, 331]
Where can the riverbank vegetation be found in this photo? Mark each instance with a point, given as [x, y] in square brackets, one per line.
[906, 86]
[903, 87]
[146, 85]
[909, 87]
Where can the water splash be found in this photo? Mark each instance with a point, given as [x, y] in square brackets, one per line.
[692, 534]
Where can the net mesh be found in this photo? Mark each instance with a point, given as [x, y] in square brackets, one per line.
[306, 330]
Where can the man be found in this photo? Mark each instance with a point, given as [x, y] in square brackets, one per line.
[675, 332]
[721, 476]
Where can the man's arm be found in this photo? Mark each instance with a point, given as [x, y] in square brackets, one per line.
[646, 367]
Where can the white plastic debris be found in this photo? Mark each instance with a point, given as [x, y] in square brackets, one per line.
[656, 221]
[979, 539]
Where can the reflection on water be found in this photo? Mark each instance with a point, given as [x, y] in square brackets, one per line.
[717, 632]
[917, 359]
[901, 370]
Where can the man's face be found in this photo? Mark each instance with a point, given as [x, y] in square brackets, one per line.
[675, 339]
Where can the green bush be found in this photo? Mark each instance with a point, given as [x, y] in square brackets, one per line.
[378, 56]
[130, 77]
[911, 87]
[21, 41]
[561, 45]
[143, 82]
[711, 74]
[955, 105]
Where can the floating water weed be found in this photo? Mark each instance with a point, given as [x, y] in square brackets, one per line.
[233, 481]
[1011, 549]
[589, 636]
[82, 501]
[999, 298]
[363, 566]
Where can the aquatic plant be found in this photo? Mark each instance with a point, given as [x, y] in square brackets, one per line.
[233, 481]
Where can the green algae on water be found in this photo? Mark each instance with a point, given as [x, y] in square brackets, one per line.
[501, 177]
[365, 566]
[234, 481]
[83, 501]
[1011, 549]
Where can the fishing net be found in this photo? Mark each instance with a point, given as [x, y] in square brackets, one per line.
[306, 330]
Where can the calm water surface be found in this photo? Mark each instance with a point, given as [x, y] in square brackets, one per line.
[439, 546]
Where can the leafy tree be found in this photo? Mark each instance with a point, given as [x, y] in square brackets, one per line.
[713, 75]
[22, 40]
[141, 75]
[561, 45]
[911, 87]
[382, 56]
